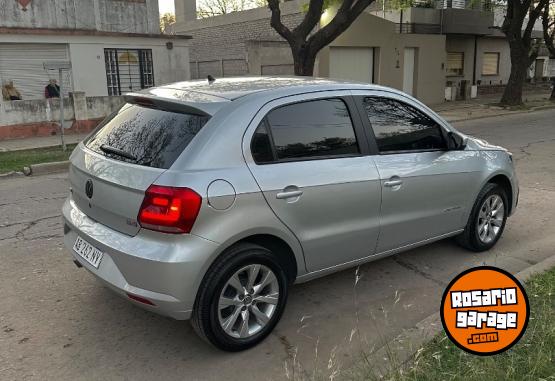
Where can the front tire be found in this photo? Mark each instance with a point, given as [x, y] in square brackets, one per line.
[241, 298]
[487, 219]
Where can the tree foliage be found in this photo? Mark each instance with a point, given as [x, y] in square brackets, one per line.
[166, 20]
[210, 8]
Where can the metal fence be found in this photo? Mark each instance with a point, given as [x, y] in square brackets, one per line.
[219, 68]
[483, 5]
[418, 28]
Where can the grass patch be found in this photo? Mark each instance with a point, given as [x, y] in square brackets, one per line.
[532, 358]
[16, 160]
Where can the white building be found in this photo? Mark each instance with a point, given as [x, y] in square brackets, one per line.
[114, 46]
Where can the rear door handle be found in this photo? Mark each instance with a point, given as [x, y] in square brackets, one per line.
[392, 183]
[289, 194]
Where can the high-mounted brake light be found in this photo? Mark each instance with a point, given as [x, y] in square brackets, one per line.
[169, 209]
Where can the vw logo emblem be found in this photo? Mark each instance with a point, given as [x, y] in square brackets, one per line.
[89, 188]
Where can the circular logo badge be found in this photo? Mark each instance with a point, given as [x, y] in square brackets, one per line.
[89, 188]
[484, 310]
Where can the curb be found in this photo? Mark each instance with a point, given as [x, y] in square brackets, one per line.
[538, 268]
[405, 346]
[3, 148]
[46, 168]
[11, 175]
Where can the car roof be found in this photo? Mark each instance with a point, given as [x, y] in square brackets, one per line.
[231, 88]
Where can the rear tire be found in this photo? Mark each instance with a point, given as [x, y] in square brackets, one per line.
[241, 298]
[487, 219]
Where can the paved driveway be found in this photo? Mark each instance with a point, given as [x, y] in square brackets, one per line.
[57, 322]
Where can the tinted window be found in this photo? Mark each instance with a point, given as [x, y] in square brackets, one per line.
[146, 136]
[261, 147]
[314, 128]
[400, 127]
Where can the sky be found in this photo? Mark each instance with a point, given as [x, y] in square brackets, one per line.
[166, 6]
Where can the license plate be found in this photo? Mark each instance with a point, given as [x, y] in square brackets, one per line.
[88, 252]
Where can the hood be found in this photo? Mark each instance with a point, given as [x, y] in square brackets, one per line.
[475, 144]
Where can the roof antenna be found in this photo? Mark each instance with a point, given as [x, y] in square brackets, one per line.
[210, 79]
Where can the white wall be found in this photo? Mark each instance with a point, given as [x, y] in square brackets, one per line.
[89, 72]
[87, 57]
[501, 46]
[485, 44]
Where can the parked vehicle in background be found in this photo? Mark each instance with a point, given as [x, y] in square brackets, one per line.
[207, 201]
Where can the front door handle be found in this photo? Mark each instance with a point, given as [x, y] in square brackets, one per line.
[392, 183]
[289, 194]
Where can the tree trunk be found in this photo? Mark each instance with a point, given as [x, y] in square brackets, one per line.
[303, 61]
[512, 95]
[520, 61]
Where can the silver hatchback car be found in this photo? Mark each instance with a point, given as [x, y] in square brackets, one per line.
[206, 201]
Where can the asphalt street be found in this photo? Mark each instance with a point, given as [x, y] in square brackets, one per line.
[58, 322]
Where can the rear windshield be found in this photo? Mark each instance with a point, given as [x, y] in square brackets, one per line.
[146, 136]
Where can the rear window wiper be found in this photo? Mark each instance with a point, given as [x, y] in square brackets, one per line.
[109, 149]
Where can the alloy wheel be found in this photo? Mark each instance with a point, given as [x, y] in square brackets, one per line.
[248, 301]
[490, 218]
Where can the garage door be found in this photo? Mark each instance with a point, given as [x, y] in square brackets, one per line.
[354, 64]
[23, 63]
[408, 70]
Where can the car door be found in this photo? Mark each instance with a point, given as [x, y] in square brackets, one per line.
[309, 155]
[425, 186]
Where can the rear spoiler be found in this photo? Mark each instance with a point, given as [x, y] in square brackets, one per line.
[194, 108]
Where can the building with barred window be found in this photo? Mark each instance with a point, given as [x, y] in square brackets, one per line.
[114, 46]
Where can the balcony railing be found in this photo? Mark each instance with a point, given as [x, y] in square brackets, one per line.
[418, 28]
[482, 5]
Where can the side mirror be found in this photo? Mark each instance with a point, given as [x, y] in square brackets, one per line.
[455, 141]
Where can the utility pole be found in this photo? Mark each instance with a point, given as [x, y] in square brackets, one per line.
[60, 66]
[60, 72]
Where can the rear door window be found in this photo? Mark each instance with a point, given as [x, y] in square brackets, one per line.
[311, 129]
[146, 136]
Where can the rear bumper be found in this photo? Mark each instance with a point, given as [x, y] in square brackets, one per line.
[163, 268]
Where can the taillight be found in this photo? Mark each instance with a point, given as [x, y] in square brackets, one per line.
[169, 209]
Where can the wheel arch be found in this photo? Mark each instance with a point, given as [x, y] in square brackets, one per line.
[284, 253]
[288, 253]
[290, 256]
[503, 181]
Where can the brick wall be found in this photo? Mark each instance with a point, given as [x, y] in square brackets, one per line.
[228, 43]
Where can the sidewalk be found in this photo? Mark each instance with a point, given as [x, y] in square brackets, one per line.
[456, 111]
[486, 106]
[39, 142]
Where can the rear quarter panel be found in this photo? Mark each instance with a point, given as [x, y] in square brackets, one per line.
[216, 154]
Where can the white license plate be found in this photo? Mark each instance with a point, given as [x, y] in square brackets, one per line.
[88, 252]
